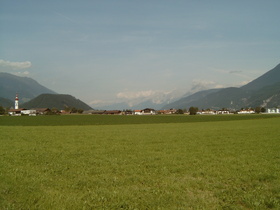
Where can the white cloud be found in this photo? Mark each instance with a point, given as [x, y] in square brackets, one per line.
[198, 85]
[25, 73]
[237, 73]
[97, 101]
[136, 98]
[243, 83]
[15, 65]
[134, 95]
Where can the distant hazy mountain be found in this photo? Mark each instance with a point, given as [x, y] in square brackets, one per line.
[155, 101]
[263, 91]
[113, 106]
[148, 103]
[59, 101]
[27, 88]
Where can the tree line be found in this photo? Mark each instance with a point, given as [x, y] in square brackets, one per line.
[193, 110]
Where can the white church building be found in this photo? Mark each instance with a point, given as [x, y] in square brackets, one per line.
[20, 111]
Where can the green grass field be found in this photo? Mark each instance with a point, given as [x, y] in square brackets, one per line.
[151, 162]
[63, 120]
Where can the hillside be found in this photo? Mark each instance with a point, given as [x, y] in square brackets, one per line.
[263, 91]
[27, 88]
[187, 101]
[268, 96]
[59, 101]
[269, 78]
[7, 103]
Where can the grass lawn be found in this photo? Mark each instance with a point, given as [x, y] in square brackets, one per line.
[231, 164]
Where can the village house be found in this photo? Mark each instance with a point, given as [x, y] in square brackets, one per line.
[206, 112]
[148, 111]
[273, 110]
[42, 111]
[15, 112]
[222, 112]
[162, 111]
[138, 112]
[246, 111]
[29, 112]
[169, 111]
[128, 112]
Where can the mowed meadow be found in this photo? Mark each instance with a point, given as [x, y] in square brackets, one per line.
[140, 162]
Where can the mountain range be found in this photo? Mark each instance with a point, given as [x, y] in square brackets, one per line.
[34, 95]
[263, 91]
[155, 100]
[26, 87]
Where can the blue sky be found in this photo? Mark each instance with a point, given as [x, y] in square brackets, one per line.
[113, 50]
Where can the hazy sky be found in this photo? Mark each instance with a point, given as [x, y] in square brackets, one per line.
[102, 50]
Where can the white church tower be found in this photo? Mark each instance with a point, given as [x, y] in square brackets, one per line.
[16, 102]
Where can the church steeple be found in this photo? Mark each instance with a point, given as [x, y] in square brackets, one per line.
[16, 102]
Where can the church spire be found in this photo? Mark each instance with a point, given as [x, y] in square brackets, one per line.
[16, 102]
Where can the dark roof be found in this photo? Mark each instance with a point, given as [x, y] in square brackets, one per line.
[42, 109]
[16, 110]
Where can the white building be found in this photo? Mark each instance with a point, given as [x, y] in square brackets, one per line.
[223, 112]
[20, 111]
[138, 112]
[16, 102]
[206, 112]
[248, 111]
[16, 111]
[273, 110]
[147, 111]
[30, 112]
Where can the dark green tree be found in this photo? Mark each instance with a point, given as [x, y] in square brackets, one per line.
[2, 110]
[258, 110]
[180, 111]
[193, 110]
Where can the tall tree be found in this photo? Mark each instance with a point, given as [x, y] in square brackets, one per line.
[2, 110]
[193, 110]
